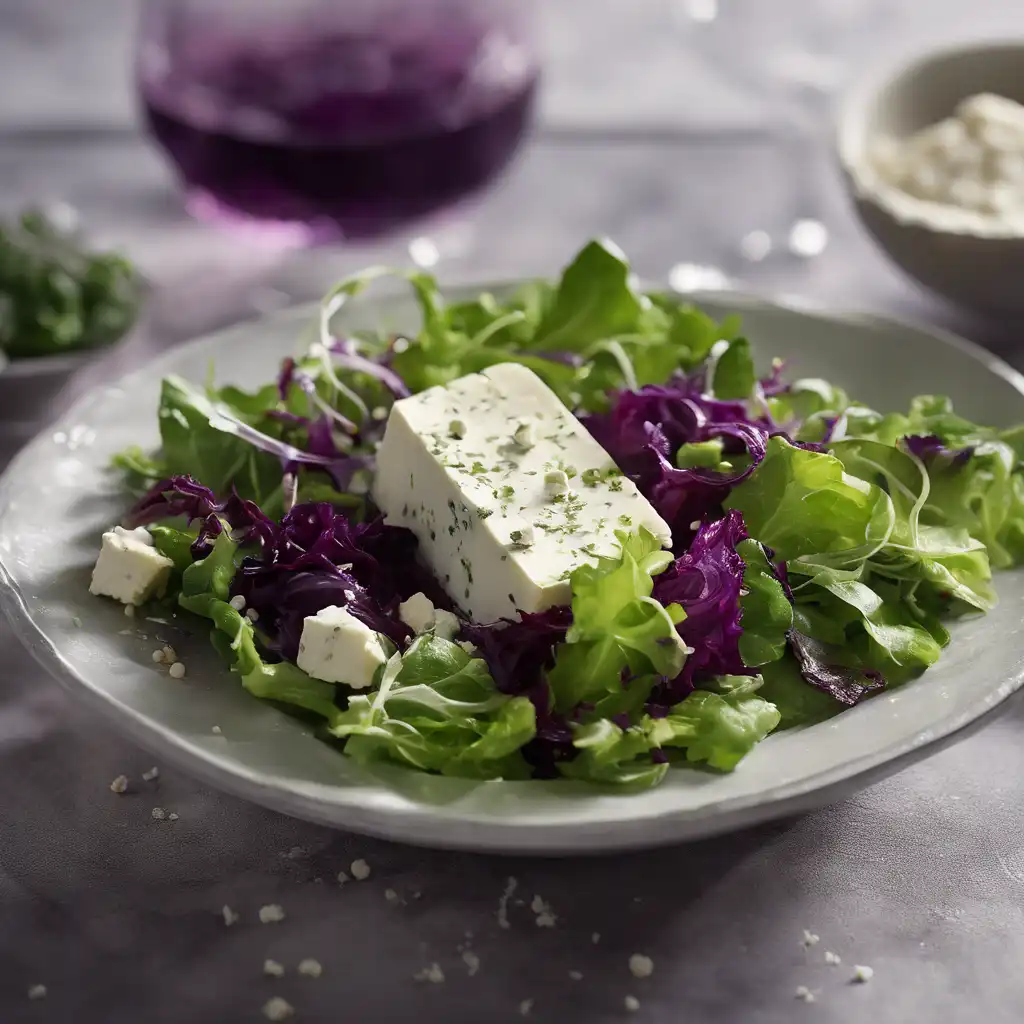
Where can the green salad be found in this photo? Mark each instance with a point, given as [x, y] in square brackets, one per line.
[580, 530]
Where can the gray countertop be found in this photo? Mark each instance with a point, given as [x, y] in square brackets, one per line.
[678, 138]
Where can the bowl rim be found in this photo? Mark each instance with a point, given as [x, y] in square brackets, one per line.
[448, 832]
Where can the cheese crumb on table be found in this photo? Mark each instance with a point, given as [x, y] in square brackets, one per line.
[37, 992]
[360, 870]
[272, 969]
[575, 975]
[641, 966]
[804, 993]
[545, 915]
[525, 1007]
[832, 958]
[472, 962]
[278, 1009]
[310, 968]
[631, 1003]
[230, 917]
[177, 670]
[810, 939]
[119, 785]
[271, 913]
[503, 901]
[158, 814]
[343, 877]
[862, 973]
[152, 774]
[432, 974]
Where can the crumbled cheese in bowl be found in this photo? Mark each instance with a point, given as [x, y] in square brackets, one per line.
[965, 173]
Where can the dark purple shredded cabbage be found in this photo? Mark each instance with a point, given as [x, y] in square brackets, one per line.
[928, 447]
[285, 378]
[819, 667]
[645, 429]
[706, 581]
[183, 496]
[319, 559]
[518, 654]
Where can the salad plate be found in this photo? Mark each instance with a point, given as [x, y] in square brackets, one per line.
[60, 495]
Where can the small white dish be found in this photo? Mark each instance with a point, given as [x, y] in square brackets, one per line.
[58, 497]
[973, 268]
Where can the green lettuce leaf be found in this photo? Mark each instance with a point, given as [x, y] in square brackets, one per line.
[617, 626]
[803, 504]
[798, 702]
[437, 710]
[766, 611]
[732, 372]
[718, 728]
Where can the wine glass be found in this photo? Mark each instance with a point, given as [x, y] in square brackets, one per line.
[322, 120]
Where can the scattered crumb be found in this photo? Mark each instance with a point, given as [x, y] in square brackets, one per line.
[296, 852]
[525, 1007]
[37, 992]
[804, 993]
[416, 894]
[631, 1003]
[272, 969]
[695, 525]
[158, 656]
[158, 813]
[152, 774]
[510, 888]
[277, 1009]
[641, 966]
[810, 939]
[230, 917]
[251, 614]
[391, 896]
[169, 653]
[237, 602]
[433, 974]
[177, 671]
[119, 785]
[832, 958]
[343, 878]
[862, 973]
[576, 975]
[172, 816]
[545, 915]
[360, 870]
[129, 610]
[271, 913]
[472, 962]
[595, 938]
[217, 730]
[310, 968]
[76, 621]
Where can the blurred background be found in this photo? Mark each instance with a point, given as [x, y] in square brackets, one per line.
[243, 155]
[696, 133]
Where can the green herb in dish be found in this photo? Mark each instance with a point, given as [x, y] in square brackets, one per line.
[55, 295]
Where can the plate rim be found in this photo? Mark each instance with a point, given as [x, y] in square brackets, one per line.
[429, 824]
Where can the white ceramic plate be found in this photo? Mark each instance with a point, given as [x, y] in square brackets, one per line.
[57, 498]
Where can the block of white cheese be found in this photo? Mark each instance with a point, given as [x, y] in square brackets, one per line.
[129, 568]
[506, 490]
[336, 647]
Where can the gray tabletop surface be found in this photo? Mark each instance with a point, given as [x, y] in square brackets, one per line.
[678, 136]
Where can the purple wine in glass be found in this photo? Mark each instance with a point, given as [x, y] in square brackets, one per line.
[346, 119]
